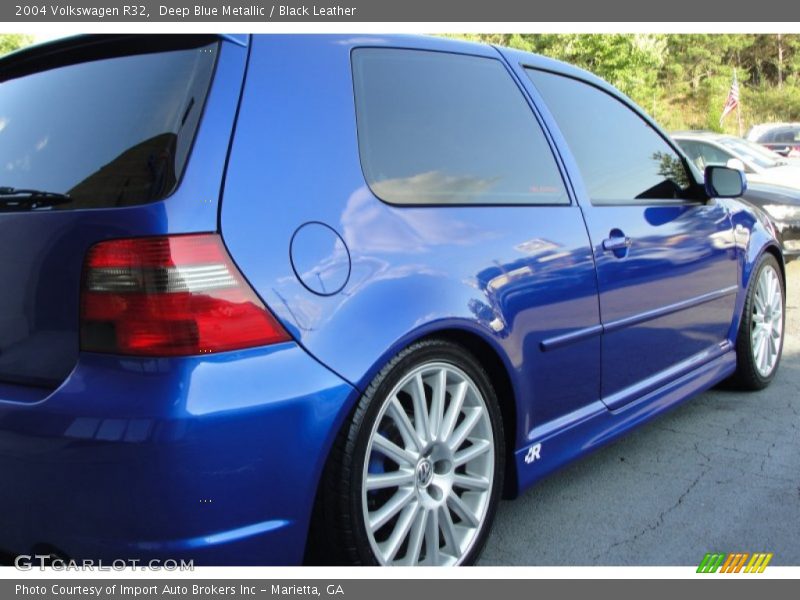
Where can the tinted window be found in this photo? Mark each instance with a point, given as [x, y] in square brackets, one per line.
[439, 128]
[787, 136]
[768, 137]
[108, 132]
[621, 158]
[780, 135]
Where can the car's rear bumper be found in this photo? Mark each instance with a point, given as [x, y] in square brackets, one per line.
[213, 458]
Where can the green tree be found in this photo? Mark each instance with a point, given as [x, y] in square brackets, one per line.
[630, 62]
[13, 41]
[682, 80]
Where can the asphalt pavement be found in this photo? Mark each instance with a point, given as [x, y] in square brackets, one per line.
[720, 473]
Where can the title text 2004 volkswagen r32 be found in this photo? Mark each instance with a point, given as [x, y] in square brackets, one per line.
[277, 297]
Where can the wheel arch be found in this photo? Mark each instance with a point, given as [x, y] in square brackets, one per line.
[776, 252]
[489, 353]
[760, 240]
[490, 357]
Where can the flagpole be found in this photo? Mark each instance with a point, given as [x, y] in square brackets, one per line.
[738, 107]
[731, 102]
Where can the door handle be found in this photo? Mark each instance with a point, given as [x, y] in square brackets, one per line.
[617, 243]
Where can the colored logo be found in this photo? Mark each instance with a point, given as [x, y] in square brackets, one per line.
[734, 562]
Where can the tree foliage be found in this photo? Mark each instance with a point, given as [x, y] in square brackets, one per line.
[683, 79]
[13, 41]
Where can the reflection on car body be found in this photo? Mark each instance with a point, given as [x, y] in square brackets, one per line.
[332, 311]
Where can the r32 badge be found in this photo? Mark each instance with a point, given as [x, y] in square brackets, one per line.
[534, 453]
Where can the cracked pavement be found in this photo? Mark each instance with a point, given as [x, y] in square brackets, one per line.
[719, 473]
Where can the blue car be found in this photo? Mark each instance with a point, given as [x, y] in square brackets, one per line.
[283, 299]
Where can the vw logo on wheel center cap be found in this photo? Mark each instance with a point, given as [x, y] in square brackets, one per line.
[424, 473]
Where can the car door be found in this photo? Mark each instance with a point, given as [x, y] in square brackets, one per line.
[666, 266]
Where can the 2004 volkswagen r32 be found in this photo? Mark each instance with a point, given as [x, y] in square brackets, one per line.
[281, 298]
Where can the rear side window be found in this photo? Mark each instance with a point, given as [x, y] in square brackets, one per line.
[620, 156]
[438, 128]
[784, 136]
[109, 132]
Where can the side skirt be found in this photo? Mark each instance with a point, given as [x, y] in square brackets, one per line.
[558, 442]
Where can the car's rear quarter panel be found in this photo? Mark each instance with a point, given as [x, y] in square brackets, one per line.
[414, 271]
[187, 457]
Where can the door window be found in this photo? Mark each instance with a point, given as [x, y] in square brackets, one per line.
[621, 157]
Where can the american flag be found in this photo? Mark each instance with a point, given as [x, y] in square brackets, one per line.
[732, 101]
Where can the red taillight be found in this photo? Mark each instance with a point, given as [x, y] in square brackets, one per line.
[170, 296]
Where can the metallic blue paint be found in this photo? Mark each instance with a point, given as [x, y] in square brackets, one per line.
[218, 457]
[592, 427]
[213, 457]
[320, 258]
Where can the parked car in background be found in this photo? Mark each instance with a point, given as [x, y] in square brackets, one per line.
[783, 138]
[272, 298]
[760, 164]
[782, 207]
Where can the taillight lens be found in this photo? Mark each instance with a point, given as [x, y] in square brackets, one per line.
[170, 296]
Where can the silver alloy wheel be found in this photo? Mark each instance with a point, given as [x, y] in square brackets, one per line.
[429, 469]
[767, 321]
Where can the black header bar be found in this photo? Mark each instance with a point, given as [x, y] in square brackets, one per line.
[388, 11]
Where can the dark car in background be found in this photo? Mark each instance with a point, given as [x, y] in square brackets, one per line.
[783, 138]
[782, 205]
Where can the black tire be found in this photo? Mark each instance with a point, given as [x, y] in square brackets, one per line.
[747, 375]
[339, 532]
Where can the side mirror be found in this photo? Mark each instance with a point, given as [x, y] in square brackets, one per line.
[735, 163]
[784, 151]
[724, 182]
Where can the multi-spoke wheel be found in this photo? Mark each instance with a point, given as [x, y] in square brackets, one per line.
[430, 467]
[418, 472]
[766, 330]
[760, 342]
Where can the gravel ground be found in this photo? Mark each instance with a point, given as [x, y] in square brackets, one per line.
[719, 473]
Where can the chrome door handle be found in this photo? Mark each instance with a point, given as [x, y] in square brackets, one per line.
[617, 243]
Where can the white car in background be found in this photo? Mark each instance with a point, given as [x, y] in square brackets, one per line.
[760, 164]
